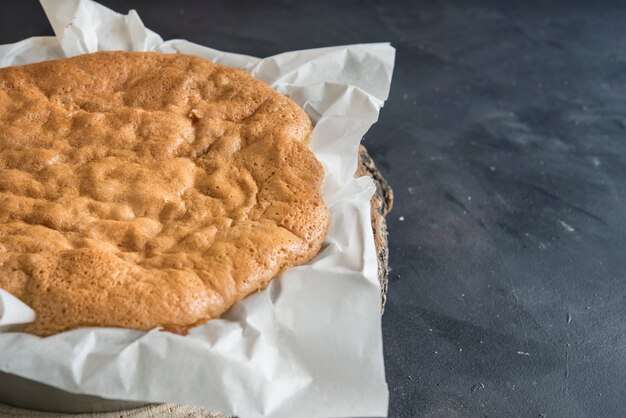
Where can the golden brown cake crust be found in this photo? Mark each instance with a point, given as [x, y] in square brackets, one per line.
[144, 189]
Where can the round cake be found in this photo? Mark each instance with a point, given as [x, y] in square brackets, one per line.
[146, 190]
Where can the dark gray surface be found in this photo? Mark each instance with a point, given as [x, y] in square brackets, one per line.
[504, 138]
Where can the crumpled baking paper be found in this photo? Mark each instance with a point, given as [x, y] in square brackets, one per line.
[310, 344]
[13, 312]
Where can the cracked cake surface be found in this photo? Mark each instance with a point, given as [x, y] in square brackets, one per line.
[147, 190]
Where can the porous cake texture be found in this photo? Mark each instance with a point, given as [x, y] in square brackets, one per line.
[147, 190]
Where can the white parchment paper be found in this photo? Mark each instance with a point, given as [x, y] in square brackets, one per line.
[309, 345]
[13, 312]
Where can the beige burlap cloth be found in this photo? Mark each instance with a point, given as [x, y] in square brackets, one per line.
[381, 205]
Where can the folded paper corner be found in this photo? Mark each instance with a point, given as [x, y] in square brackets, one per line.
[13, 311]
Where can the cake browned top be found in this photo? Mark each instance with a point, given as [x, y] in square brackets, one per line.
[144, 189]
